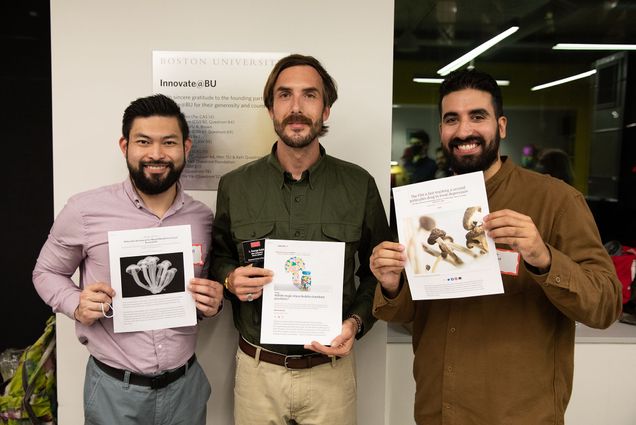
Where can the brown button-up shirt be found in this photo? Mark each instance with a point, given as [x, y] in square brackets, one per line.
[508, 359]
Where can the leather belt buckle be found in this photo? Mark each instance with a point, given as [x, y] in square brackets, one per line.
[159, 381]
[291, 358]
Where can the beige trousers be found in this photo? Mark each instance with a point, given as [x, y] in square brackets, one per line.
[267, 394]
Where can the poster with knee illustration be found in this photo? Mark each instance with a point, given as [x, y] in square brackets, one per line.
[303, 303]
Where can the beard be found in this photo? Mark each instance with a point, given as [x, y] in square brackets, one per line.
[471, 163]
[296, 140]
[155, 184]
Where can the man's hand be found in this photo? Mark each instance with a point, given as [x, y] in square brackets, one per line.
[95, 302]
[247, 282]
[207, 294]
[387, 263]
[342, 344]
[519, 232]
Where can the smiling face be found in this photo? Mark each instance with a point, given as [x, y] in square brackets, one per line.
[155, 153]
[470, 132]
[298, 109]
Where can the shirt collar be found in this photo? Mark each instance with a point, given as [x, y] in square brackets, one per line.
[310, 174]
[501, 175]
[132, 194]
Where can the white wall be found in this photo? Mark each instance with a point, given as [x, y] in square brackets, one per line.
[101, 60]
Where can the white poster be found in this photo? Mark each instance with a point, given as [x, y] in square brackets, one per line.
[303, 303]
[149, 271]
[221, 95]
[440, 224]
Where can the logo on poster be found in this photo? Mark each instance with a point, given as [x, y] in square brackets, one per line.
[222, 61]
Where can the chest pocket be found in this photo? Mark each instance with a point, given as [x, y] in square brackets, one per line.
[251, 231]
[348, 233]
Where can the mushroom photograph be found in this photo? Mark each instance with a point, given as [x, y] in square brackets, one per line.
[476, 236]
[152, 275]
[439, 242]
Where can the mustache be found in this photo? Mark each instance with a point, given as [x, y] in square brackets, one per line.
[473, 139]
[297, 119]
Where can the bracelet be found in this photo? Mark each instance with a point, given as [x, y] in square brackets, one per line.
[358, 321]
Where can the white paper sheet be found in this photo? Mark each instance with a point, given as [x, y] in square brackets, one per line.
[462, 261]
[303, 303]
[149, 271]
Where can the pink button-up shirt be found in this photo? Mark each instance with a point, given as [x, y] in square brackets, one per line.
[79, 238]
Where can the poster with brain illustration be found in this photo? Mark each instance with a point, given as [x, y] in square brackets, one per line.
[304, 301]
[149, 271]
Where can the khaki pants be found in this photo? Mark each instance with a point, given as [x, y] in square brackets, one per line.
[267, 394]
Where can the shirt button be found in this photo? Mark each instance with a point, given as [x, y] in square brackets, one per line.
[449, 369]
[447, 406]
[452, 330]
[297, 234]
[557, 279]
[297, 198]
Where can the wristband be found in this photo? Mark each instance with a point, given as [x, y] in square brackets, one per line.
[358, 321]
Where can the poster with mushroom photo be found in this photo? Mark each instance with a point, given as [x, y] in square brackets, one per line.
[440, 222]
[149, 269]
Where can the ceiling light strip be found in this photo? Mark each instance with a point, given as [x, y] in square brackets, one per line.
[583, 46]
[564, 80]
[476, 52]
[440, 80]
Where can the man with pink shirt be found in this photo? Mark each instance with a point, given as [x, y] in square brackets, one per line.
[146, 377]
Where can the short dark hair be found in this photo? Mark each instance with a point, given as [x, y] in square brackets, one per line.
[472, 79]
[421, 135]
[556, 163]
[155, 105]
[331, 89]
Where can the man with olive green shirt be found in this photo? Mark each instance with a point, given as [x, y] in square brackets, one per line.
[297, 192]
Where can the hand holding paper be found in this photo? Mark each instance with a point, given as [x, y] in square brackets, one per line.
[341, 345]
[387, 263]
[247, 282]
[520, 233]
[92, 297]
[207, 294]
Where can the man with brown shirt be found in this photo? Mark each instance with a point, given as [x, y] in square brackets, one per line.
[503, 359]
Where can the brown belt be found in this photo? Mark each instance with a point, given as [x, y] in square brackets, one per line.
[290, 362]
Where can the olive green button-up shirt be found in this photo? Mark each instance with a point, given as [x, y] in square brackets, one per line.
[333, 201]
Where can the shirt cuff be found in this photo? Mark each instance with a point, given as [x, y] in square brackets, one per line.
[559, 274]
